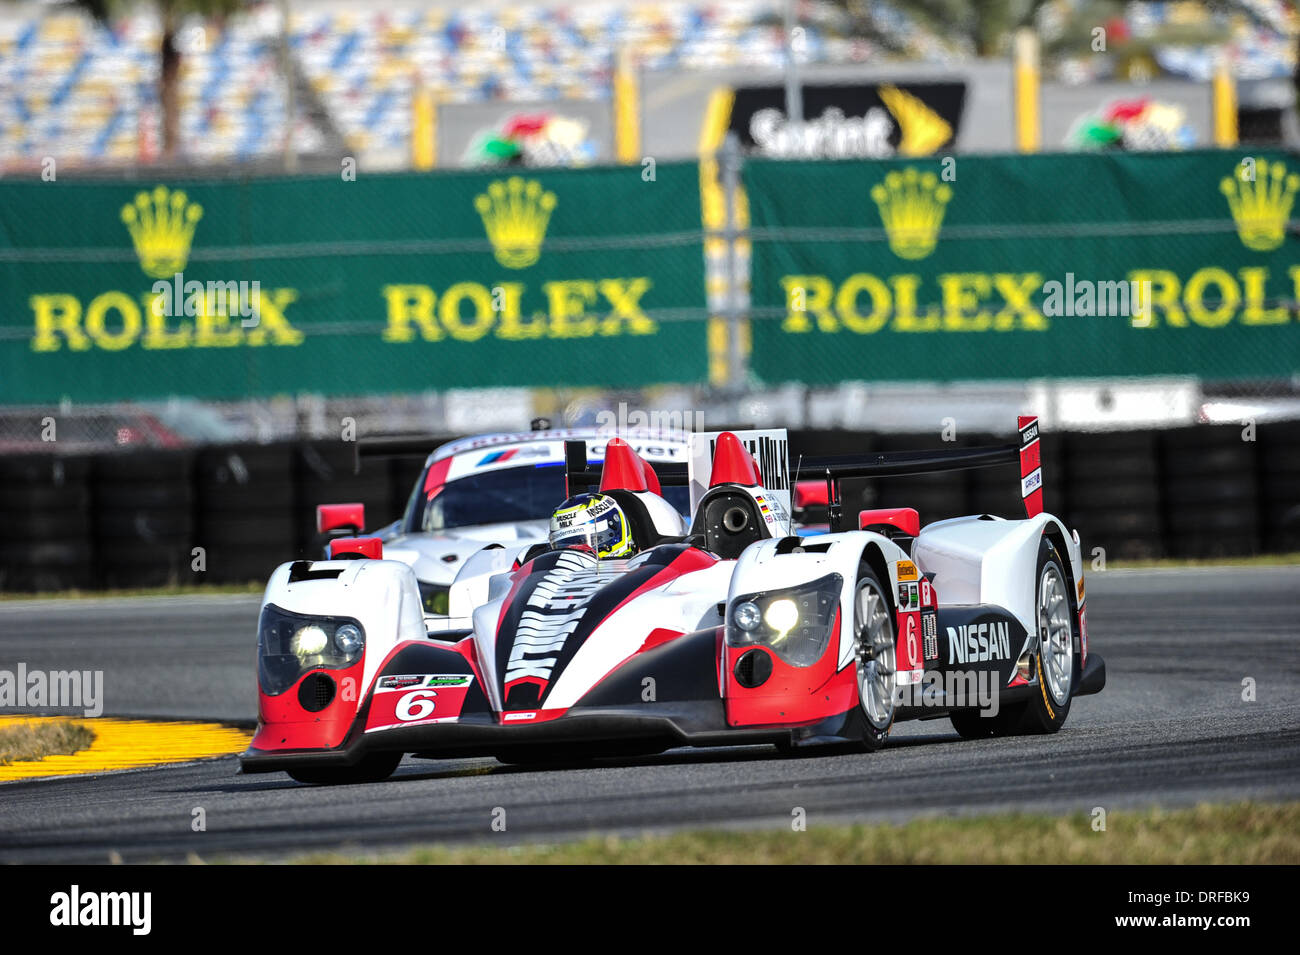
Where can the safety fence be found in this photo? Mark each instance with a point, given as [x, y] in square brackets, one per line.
[231, 514]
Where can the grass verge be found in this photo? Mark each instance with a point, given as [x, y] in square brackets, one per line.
[24, 742]
[1241, 833]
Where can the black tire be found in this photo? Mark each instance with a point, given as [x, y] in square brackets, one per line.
[874, 642]
[373, 768]
[1045, 712]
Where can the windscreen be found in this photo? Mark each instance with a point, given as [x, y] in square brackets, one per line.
[505, 496]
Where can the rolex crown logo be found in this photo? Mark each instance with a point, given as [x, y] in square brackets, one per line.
[161, 224]
[1262, 206]
[911, 207]
[515, 214]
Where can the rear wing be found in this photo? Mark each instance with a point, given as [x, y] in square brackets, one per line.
[835, 468]
[581, 476]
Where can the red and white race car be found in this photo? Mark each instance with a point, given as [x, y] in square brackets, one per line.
[732, 630]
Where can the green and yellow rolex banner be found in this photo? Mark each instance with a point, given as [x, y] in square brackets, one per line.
[354, 284]
[1015, 267]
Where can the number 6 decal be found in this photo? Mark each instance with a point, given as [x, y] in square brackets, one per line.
[911, 640]
[416, 705]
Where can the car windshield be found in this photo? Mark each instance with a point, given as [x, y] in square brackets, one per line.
[506, 496]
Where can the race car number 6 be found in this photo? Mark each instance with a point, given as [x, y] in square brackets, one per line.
[416, 705]
[911, 639]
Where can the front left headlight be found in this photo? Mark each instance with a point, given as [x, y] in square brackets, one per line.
[289, 644]
[794, 623]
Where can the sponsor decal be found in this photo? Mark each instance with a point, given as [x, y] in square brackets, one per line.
[930, 634]
[875, 121]
[909, 649]
[515, 214]
[450, 680]
[511, 717]
[399, 682]
[979, 642]
[408, 699]
[911, 205]
[540, 138]
[1083, 635]
[907, 570]
[550, 616]
[1261, 207]
[162, 226]
[908, 597]
[770, 449]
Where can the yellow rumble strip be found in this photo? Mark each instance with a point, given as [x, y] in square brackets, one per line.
[126, 744]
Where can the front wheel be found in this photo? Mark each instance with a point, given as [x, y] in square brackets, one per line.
[874, 652]
[373, 768]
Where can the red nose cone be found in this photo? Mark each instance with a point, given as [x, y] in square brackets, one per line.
[732, 464]
[625, 470]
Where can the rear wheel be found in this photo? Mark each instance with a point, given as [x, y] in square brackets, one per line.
[874, 650]
[373, 768]
[1054, 659]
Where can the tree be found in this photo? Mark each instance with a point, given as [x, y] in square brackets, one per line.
[172, 13]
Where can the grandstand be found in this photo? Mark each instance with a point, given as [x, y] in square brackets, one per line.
[87, 93]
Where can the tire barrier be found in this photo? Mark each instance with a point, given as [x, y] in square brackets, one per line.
[135, 519]
[143, 517]
[1111, 483]
[45, 529]
[246, 515]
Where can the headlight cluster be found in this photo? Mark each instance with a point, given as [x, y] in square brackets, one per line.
[435, 597]
[290, 644]
[795, 623]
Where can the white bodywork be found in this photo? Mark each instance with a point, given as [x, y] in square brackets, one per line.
[437, 556]
[380, 594]
[983, 560]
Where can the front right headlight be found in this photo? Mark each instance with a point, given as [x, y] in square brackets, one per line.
[289, 644]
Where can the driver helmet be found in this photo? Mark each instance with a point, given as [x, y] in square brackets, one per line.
[593, 521]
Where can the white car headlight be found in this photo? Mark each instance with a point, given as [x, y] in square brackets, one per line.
[795, 623]
[308, 641]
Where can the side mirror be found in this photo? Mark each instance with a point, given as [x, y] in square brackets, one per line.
[350, 518]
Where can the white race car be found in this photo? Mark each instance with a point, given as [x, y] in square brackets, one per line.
[732, 629]
[491, 489]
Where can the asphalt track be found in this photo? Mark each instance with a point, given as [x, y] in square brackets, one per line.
[1170, 729]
